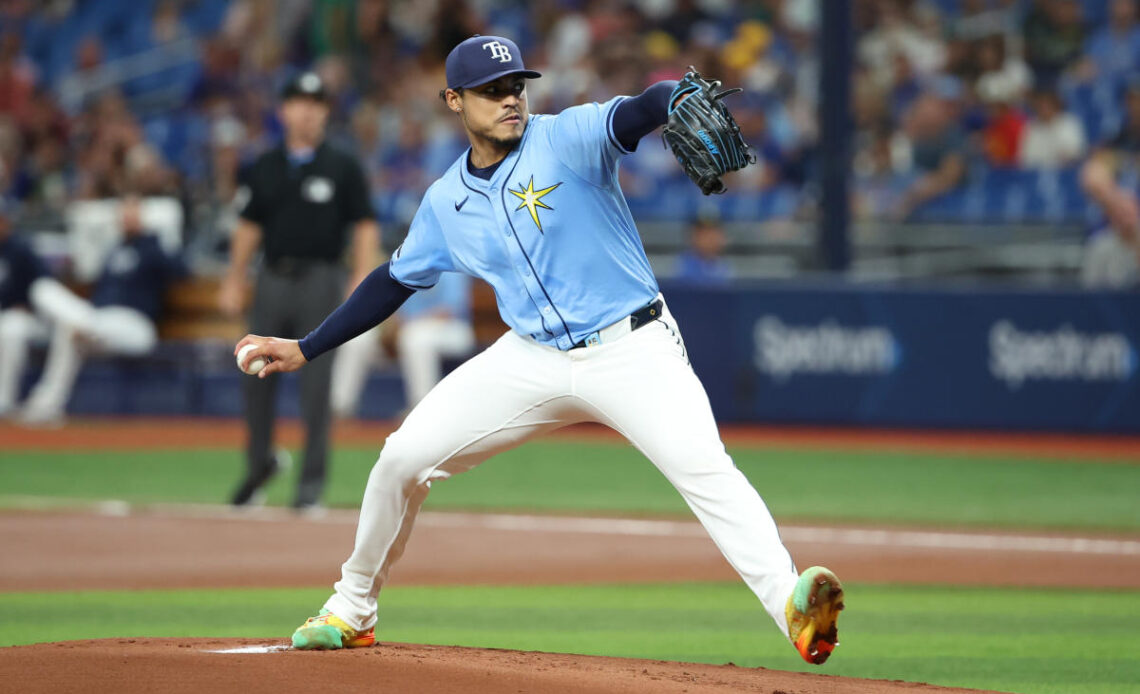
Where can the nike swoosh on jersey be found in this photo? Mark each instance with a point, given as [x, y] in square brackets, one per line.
[459, 205]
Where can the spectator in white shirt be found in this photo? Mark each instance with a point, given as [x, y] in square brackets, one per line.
[1053, 139]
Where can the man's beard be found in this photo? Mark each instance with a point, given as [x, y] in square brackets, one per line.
[505, 142]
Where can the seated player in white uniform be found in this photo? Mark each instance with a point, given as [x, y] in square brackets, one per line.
[534, 208]
[120, 318]
[19, 326]
[433, 325]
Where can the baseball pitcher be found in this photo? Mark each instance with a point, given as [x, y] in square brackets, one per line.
[534, 208]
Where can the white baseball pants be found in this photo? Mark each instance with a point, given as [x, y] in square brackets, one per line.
[78, 325]
[18, 329]
[640, 385]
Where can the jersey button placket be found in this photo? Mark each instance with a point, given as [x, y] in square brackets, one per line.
[521, 264]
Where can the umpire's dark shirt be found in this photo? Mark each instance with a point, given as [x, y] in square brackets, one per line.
[305, 210]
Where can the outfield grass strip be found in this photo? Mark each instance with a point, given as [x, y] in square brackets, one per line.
[878, 490]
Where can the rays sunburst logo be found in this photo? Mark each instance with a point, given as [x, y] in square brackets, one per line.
[532, 199]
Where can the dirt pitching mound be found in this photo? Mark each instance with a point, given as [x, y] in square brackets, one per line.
[193, 666]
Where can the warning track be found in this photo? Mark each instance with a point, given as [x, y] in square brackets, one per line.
[164, 433]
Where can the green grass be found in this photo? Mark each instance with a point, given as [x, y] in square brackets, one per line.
[1033, 641]
[553, 476]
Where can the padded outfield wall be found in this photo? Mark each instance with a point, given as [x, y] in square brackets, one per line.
[818, 353]
[832, 353]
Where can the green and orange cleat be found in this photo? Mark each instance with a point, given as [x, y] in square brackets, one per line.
[812, 611]
[328, 632]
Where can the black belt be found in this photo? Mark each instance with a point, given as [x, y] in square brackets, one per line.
[640, 317]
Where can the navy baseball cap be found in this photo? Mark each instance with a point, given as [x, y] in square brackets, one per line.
[481, 59]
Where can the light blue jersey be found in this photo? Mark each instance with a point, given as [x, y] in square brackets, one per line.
[551, 231]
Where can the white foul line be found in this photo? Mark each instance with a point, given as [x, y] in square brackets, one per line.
[793, 533]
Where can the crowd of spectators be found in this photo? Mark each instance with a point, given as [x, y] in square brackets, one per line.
[941, 89]
[997, 85]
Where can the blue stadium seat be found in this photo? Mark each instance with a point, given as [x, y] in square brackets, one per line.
[181, 137]
[175, 82]
[944, 208]
[1012, 196]
[1099, 106]
[672, 199]
[205, 16]
[1095, 12]
[64, 37]
[946, 6]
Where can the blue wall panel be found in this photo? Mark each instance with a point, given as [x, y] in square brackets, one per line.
[839, 354]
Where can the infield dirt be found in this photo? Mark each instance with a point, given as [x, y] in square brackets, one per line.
[188, 666]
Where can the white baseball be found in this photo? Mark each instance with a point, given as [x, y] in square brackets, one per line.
[253, 366]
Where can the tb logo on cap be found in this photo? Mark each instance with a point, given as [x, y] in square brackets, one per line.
[498, 51]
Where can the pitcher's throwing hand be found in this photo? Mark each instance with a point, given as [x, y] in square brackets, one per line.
[281, 355]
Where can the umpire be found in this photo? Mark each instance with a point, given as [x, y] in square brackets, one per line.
[304, 202]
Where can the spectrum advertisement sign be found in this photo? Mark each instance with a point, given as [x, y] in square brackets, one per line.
[841, 354]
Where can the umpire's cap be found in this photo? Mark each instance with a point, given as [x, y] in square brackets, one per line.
[481, 59]
[307, 85]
